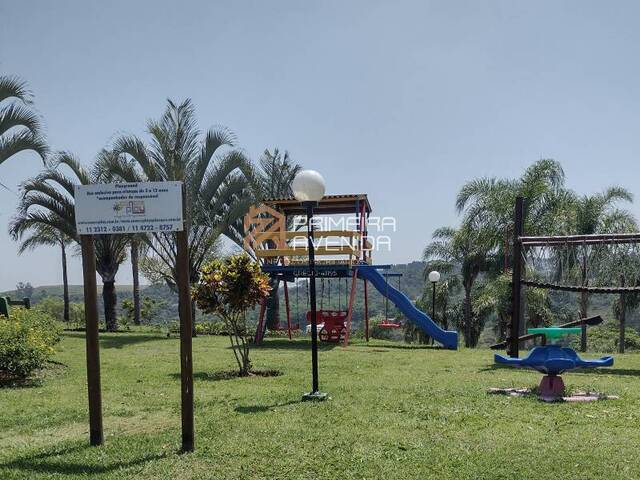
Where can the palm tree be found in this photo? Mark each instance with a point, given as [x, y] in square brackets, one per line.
[273, 180]
[20, 126]
[592, 214]
[487, 205]
[44, 235]
[277, 171]
[135, 271]
[217, 179]
[465, 248]
[47, 202]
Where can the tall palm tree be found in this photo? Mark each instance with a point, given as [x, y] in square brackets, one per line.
[276, 173]
[273, 180]
[592, 214]
[47, 201]
[44, 235]
[463, 248]
[217, 179]
[487, 205]
[20, 126]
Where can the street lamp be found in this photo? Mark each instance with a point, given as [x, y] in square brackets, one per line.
[434, 277]
[308, 187]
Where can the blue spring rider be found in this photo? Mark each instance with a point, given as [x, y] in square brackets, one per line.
[552, 360]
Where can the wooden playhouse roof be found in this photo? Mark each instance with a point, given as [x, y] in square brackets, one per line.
[329, 205]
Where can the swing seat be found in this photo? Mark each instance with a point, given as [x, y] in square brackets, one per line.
[389, 324]
[333, 324]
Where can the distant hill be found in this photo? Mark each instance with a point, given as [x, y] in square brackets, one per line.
[411, 283]
[159, 293]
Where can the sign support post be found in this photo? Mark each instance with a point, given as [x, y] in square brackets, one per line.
[134, 208]
[186, 357]
[96, 436]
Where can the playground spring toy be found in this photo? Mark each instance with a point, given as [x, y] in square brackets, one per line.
[552, 360]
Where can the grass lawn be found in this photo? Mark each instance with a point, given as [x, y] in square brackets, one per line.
[394, 412]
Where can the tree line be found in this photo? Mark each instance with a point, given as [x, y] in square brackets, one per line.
[476, 255]
[221, 182]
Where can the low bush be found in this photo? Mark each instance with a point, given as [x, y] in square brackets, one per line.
[606, 338]
[26, 341]
[211, 328]
[55, 307]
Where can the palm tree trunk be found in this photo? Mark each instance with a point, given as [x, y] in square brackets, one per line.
[110, 299]
[65, 283]
[467, 316]
[135, 250]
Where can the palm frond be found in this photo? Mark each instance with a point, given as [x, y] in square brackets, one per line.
[17, 115]
[20, 141]
[14, 87]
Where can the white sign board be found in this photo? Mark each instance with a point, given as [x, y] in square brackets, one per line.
[113, 208]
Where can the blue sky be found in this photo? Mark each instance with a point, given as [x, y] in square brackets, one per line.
[401, 100]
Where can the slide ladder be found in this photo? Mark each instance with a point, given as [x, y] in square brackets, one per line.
[449, 339]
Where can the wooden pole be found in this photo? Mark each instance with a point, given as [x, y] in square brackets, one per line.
[186, 355]
[623, 317]
[286, 303]
[366, 312]
[96, 434]
[516, 286]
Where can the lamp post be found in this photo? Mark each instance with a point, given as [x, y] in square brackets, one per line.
[308, 188]
[434, 277]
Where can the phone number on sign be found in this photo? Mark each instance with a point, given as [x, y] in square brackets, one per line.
[161, 227]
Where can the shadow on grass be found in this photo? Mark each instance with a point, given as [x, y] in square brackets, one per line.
[51, 369]
[263, 408]
[624, 372]
[283, 343]
[53, 463]
[124, 340]
[228, 375]
[401, 347]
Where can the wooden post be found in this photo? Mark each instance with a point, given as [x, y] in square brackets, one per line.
[366, 312]
[623, 317]
[286, 303]
[96, 435]
[516, 276]
[184, 304]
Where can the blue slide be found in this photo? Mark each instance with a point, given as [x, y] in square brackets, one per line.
[400, 300]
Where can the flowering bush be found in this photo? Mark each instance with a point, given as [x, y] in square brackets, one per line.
[228, 288]
[26, 341]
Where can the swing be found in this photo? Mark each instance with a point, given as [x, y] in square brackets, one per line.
[331, 323]
[289, 327]
[388, 322]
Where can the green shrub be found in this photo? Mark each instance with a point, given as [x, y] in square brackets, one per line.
[26, 341]
[606, 337]
[54, 306]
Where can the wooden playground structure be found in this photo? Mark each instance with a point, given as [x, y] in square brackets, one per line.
[340, 252]
[281, 246]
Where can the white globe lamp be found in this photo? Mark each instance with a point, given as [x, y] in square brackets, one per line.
[434, 276]
[308, 186]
